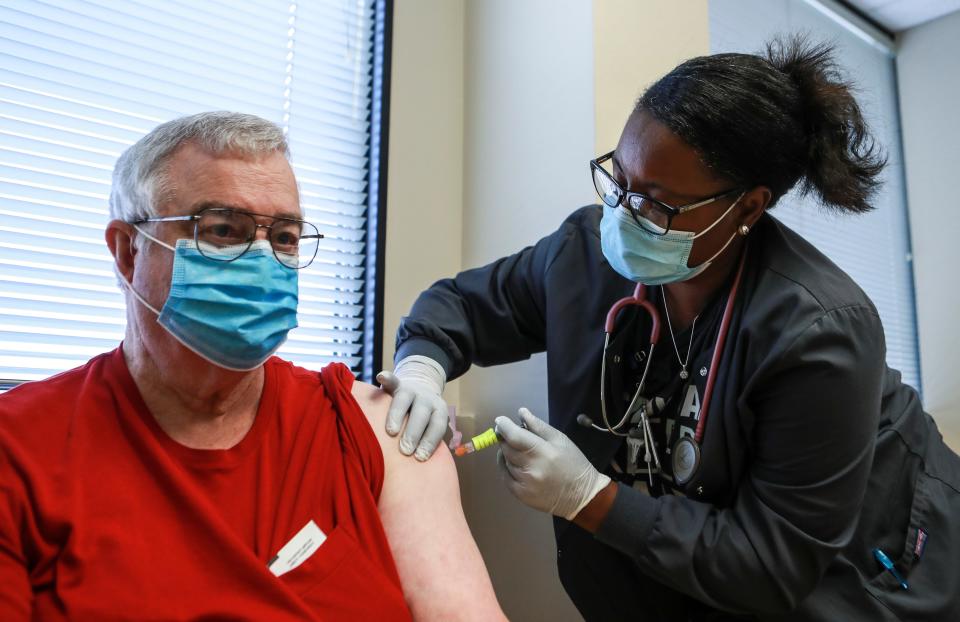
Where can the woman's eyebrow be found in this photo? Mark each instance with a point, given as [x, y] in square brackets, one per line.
[649, 186]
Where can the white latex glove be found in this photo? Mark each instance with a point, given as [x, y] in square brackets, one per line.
[544, 469]
[416, 384]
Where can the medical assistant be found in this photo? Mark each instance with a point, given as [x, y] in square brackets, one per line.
[814, 453]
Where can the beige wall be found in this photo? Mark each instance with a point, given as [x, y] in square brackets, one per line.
[528, 135]
[634, 44]
[929, 91]
[425, 160]
[508, 101]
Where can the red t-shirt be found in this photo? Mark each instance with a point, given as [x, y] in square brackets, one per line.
[105, 517]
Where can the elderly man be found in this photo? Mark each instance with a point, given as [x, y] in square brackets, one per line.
[189, 474]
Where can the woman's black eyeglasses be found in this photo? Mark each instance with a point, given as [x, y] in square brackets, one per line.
[652, 215]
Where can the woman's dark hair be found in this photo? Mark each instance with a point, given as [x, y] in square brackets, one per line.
[773, 120]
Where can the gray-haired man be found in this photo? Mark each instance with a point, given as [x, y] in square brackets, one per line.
[190, 474]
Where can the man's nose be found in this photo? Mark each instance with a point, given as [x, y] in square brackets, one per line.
[263, 232]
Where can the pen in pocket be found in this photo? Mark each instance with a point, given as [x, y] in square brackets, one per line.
[886, 563]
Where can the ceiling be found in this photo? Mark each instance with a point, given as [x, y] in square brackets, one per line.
[898, 15]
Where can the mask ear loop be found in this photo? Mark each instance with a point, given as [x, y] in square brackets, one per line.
[722, 216]
[127, 283]
[724, 247]
[136, 294]
[168, 247]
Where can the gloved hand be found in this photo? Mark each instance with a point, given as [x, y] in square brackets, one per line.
[416, 384]
[544, 469]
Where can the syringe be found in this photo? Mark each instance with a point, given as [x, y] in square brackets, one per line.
[478, 442]
[482, 441]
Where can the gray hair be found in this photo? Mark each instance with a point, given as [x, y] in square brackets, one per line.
[139, 178]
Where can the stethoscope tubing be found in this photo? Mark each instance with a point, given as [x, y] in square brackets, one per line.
[718, 352]
[639, 298]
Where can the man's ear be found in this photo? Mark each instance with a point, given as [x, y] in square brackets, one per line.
[120, 239]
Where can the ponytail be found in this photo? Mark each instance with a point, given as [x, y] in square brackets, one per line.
[773, 120]
[843, 161]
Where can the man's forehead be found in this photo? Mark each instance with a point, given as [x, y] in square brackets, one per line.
[263, 184]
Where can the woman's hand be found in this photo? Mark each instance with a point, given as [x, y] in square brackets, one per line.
[416, 385]
[544, 469]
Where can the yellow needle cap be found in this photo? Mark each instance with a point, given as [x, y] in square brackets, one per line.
[484, 440]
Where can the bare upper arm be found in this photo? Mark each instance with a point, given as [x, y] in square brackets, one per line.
[442, 572]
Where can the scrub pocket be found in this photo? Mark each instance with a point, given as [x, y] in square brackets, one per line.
[929, 560]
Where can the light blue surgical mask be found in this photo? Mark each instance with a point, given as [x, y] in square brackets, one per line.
[235, 314]
[644, 257]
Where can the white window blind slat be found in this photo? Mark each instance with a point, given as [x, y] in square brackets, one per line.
[310, 167]
[346, 209]
[55, 252]
[197, 19]
[124, 99]
[88, 39]
[22, 32]
[342, 233]
[192, 90]
[18, 160]
[318, 51]
[36, 129]
[872, 248]
[334, 129]
[174, 39]
[25, 103]
[82, 80]
[335, 146]
[55, 148]
[129, 86]
[50, 212]
[46, 159]
[69, 96]
[86, 201]
[47, 178]
[325, 118]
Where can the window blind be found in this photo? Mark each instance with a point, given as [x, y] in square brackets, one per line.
[82, 80]
[873, 248]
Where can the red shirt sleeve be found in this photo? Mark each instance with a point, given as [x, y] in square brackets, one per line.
[16, 595]
[358, 438]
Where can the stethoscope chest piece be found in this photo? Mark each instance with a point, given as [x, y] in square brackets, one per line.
[686, 459]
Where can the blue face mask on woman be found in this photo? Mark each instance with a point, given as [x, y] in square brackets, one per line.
[644, 257]
[235, 314]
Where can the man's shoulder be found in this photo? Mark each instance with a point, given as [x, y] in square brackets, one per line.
[45, 403]
[43, 423]
[374, 403]
[288, 371]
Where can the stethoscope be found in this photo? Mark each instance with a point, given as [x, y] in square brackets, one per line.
[686, 450]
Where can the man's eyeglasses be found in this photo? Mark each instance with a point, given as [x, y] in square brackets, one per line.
[224, 234]
[652, 215]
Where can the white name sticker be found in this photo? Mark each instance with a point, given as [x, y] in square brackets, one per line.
[297, 550]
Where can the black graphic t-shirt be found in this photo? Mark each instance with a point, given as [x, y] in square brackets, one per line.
[674, 404]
